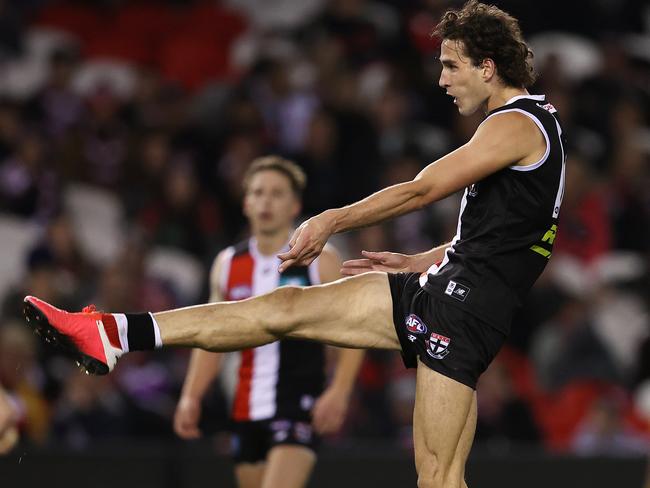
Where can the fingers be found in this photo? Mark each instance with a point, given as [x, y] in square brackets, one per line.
[353, 271]
[291, 254]
[354, 267]
[286, 265]
[357, 263]
[375, 256]
[297, 256]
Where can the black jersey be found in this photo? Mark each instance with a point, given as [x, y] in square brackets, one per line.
[506, 227]
[283, 378]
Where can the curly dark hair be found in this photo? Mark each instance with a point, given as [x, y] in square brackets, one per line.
[488, 32]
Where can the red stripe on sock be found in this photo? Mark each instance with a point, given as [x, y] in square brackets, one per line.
[110, 326]
[241, 408]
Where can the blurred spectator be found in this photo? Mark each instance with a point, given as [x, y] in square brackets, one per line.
[504, 419]
[28, 185]
[629, 205]
[90, 410]
[183, 216]
[104, 150]
[603, 431]
[567, 348]
[146, 170]
[319, 159]
[10, 127]
[11, 26]
[20, 375]
[42, 278]
[145, 291]
[58, 108]
[584, 231]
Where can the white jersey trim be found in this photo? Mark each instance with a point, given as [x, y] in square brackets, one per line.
[560, 191]
[434, 269]
[539, 98]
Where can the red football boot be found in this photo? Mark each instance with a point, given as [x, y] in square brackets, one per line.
[81, 336]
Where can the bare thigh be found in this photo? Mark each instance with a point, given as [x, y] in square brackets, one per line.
[444, 420]
[288, 466]
[250, 475]
[354, 312]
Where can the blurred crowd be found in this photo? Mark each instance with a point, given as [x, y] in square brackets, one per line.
[126, 127]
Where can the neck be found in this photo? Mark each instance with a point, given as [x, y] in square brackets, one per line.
[271, 244]
[500, 97]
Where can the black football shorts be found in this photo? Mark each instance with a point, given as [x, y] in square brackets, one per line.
[446, 338]
[252, 441]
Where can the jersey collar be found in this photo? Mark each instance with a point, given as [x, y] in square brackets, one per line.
[539, 98]
[257, 255]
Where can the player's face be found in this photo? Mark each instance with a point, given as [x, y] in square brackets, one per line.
[270, 204]
[461, 79]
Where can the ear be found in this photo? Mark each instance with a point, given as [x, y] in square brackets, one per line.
[488, 69]
[244, 206]
[297, 209]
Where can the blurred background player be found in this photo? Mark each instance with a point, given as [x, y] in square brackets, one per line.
[279, 407]
[8, 430]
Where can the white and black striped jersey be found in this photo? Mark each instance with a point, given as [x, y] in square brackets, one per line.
[281, 379]
[506, 227]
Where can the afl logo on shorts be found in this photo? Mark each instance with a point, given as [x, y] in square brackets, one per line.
[415, 325]
[437, 346]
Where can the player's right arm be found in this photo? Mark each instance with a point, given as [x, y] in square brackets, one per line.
[393, 262]
[499, 142]
[203, 368]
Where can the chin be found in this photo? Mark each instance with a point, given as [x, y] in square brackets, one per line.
[467, 111]
[268, 229]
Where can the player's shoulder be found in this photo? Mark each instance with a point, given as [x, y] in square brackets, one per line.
[230, 252]
[509, 124]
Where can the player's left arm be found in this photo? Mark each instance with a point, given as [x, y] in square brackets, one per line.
[331, 407]
[506, 139]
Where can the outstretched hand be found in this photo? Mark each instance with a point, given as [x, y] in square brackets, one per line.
[389, 262]
[307, 242]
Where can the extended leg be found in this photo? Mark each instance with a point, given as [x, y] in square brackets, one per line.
[352, 312]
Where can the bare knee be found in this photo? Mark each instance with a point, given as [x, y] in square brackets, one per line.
[432, 473]
[428, 468]
[283, 315]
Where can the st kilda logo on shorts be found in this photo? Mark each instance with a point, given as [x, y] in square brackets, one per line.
[437, 346]
[415, 325]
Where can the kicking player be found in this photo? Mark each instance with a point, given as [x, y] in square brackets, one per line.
[448, 319]
[279, 406]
